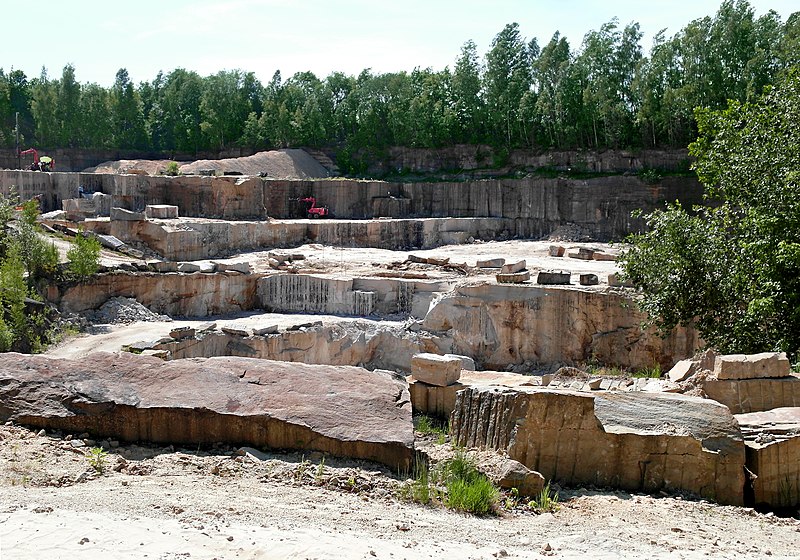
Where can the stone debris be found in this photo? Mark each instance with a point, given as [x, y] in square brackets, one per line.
[236, 330]
[589, 280]
[181, 333]
[188, 268]
[241, 267]
[261, 331]
[110, 242]
[556, 250]
[601, 256]
[121, 310]
[163, 267]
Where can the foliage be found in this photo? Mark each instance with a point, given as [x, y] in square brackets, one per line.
[84, 256]
[732, 270]
[173, 169]
[467, 489]
[546, 501]
[430, 426]
[97, 459]
[602, 93]
[419, 489]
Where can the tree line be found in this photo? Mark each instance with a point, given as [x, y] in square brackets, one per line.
[603, 94]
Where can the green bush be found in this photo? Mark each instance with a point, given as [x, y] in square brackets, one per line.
[84, 257]
[173, 169]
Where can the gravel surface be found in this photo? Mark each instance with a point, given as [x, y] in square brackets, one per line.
[169, 503]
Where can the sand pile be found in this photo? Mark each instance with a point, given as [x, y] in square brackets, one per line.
[277, 164]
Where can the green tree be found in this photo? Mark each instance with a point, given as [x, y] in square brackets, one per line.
[467, 104]
[84, 256]
[128, 116]
[733, 270]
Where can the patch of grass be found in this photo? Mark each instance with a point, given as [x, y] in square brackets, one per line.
[419, 489]
[653, 372]
[467, 489]
[545, 502]
[429, 426]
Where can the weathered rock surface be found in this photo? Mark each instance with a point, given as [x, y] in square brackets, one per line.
[345, 411]
[161, 211]
[637, 442]
[501, 324]
[752, 366]
[773, 455]
[753, 395]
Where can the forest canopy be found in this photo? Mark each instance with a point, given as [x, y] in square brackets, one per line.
[604, 93]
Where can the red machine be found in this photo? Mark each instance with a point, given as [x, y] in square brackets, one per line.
[314, 211]
[44, 163]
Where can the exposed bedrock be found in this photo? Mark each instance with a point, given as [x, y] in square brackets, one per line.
[186, 295]
[535, 205]
[637, 442]
[499, 325]
[345, 411]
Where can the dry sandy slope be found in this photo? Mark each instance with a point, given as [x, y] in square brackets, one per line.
[173, 504]
[277, 164]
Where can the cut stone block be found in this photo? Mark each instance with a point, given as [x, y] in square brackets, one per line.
[126, 215]
[752, 366]
[491, 263]
[754, 395]
[341, 410]
[556, 251]
[110, 242]
[235, 330]
[772, 441]
[182, 333]
[416, 259]
[601, 256]
[434, 369]
[161, 211]
[512, 268]
[241, 267]
[163, 266]
[553, 278]
[261, 331]
[589, 280]
[616, 280]
[467, 363]
[582, 253]
[515, 278]
[188, 267]
[631, 441]
[437, 261]
[682, 371]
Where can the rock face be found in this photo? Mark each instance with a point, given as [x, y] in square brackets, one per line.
[773, 455]
[631, 441]
[344, 411]
[501, 324]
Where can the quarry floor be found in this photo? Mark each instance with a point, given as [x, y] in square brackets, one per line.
[207, 504]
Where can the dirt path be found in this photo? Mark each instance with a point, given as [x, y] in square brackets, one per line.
[173, 504]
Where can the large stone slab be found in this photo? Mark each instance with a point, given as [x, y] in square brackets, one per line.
[633, 441]
[344, 411]
[766, 365]
[773, 455]
[754, 395]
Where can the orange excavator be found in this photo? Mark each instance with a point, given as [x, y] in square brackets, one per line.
[44, 163]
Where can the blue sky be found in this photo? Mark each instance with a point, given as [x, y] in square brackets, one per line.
[298, 35]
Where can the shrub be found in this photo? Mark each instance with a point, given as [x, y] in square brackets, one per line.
[545, 502]
[467, 489]
[83, 257]
[173, 169]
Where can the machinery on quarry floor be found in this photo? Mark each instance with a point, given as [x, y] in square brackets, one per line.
[314, 211]
[43, 163]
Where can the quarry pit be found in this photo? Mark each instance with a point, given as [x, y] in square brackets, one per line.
[249, 325]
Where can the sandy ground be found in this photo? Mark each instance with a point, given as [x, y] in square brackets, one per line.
[170, 503]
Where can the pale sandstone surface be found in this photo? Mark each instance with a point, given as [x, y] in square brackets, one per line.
[345, 411]
[171, 504]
